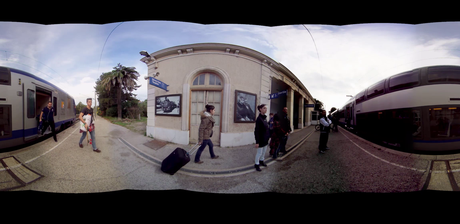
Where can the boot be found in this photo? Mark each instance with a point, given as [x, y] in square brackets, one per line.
[262, 163]
[257, 167]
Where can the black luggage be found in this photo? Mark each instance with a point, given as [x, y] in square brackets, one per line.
[176, 160]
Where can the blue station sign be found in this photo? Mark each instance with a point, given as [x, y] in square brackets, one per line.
[278, 94]
[158, 83]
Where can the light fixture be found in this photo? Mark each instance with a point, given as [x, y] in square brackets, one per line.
[154, 75]
[144, 53]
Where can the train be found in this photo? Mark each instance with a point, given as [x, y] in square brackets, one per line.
[22, 98]
[413, 111]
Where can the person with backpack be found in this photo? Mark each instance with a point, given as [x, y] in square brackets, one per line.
[276, 135]
[89, 126]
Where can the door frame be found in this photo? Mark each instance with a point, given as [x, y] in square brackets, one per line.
[205, 102]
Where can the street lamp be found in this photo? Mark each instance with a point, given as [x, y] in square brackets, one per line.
[349, 96]
[144, 53]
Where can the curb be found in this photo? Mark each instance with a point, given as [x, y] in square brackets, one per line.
[216, 173]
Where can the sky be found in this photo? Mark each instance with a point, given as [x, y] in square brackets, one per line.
[333, 62]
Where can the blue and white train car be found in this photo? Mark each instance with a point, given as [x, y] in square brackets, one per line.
[22, 98]
[417, 110]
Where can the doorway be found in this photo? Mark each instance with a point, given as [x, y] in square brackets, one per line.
[198, 100]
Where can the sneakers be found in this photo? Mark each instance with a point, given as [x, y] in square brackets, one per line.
[94, 150]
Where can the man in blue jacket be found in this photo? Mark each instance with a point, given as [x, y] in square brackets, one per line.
[47, 115]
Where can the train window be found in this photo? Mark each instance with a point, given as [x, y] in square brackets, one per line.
[404, 80]
[5, 121]
[55, 105]
[5, 76]
[360, 97]
[444, 75]
[376, 90]
[30, 103]
[445, 122]
[417, 123]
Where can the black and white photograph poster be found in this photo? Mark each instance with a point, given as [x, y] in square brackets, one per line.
[245, 107]
[168, 105]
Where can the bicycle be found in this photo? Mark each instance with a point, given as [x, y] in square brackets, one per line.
[317, 127]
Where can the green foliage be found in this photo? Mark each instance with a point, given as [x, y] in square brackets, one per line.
[79, 107]
[114, 90]
[111, 112]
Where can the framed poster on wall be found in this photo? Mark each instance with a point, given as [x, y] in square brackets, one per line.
[245, 107]
[168, 105]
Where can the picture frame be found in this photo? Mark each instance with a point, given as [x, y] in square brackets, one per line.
[168, 105]
[245, 107]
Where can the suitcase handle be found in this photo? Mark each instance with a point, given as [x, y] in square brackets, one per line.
[192, 150]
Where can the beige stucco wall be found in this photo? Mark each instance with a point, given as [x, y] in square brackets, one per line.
[244, 74]
[241, 71]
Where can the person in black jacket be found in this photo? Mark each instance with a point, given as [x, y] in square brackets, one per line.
[262, 134]
[47, 115]
[286, 126]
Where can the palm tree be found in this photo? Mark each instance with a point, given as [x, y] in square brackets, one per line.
[123, 79]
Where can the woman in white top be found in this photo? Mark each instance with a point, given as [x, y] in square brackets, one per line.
[324, 124]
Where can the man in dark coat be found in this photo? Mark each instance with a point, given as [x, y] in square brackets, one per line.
[47, 115]
[286, 126]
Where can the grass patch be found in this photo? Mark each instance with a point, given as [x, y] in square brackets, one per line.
[135, 125]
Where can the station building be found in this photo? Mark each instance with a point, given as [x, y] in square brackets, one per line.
[183, 79]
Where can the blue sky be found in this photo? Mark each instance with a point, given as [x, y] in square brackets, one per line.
[351, 57]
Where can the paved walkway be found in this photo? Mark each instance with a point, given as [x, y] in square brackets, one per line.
[122, 164]
[231, 161]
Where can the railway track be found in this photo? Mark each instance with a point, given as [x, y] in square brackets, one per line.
[441, 175]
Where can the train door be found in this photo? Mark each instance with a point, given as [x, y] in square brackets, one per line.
[29, 112]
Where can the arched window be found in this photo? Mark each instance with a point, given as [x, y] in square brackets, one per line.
[207, 79]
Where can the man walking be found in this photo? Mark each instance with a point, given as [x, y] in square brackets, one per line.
[47, 115]
[89, 126]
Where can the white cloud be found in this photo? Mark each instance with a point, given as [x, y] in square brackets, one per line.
[354, 57]
[351, 58]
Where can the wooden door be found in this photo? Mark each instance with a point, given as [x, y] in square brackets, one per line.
[199, 99]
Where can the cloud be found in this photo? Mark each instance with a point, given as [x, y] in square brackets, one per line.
[345, 59]
[348, 59]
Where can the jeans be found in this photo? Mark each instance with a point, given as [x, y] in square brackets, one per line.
[93, 138]
[260, 156]
[203, 145]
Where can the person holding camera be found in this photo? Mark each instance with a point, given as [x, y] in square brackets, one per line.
[325, 126]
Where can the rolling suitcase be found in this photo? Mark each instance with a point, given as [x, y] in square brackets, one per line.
[176, 160]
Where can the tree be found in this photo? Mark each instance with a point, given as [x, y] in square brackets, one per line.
[122, 79]
[318, 105]
[79, 107]
[105, 97]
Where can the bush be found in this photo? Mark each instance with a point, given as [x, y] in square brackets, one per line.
[112, 112]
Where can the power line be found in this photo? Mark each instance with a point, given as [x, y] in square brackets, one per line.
[100, 57]
[319, 60]
[317, 54]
